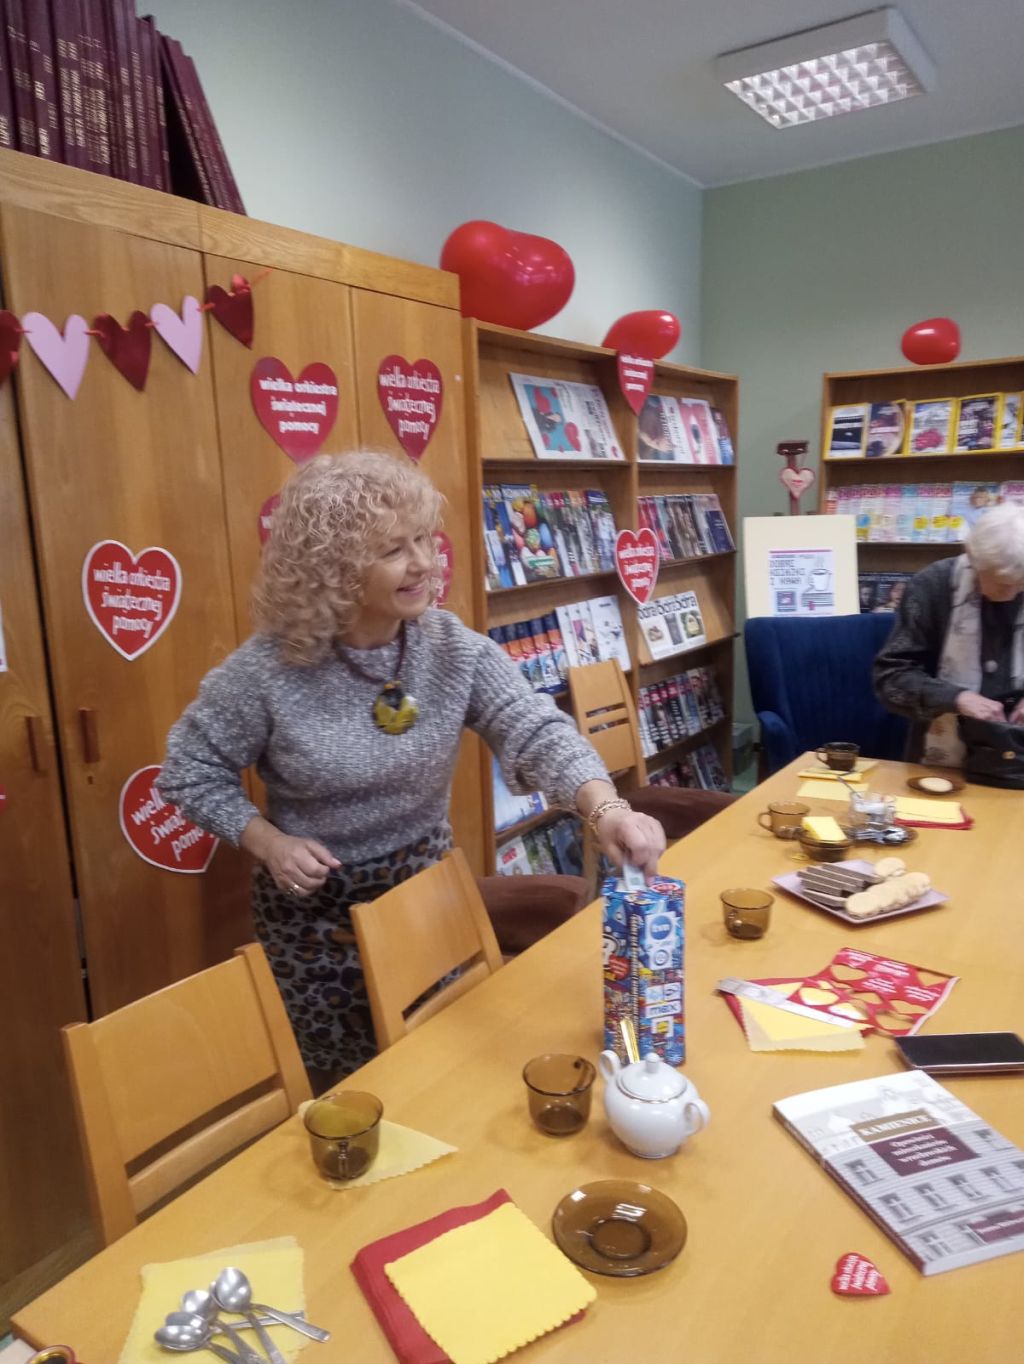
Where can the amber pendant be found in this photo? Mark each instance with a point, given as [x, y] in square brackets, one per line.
[393, 711]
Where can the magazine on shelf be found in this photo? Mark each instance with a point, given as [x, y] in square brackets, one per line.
[659, 432]
[846, 432]
[671, 625]
[608, 629]
[977, 422]
[931, 426]
[726, 450]
[1010, 422]
[945, 1187]
[510, 809]
[886, 430]
[699, 428]
[565, 420]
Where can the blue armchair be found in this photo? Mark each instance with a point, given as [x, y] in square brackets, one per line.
[811, 683]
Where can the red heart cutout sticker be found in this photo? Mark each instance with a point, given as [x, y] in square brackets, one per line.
[635, 378]
[158, 832]
[10, 343]
[127, 348]
[411, 396]
[297, 414]
[234, 310]
[446, 560]
[637, 558]
[131, 598]
[857, 1277]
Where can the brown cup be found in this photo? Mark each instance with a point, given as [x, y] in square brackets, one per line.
[839, 757]
[344, 1133]
[785, 818]
[559, 1089]
[746, 913]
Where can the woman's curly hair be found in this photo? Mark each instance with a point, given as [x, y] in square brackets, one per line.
[333, 518]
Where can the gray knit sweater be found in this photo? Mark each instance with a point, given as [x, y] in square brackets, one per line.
[331, 774]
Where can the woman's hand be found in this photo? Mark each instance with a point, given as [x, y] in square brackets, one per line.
[977, 707]
[1017, 714]
[299, 866]
[625, 836]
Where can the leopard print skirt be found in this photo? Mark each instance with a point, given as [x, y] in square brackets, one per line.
[320, 977]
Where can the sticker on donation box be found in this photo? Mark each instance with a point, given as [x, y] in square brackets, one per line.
[446, 562]
[131, 598]
[637, 557]
[635, 378]
[297, 414]
[802, 582]
[160, 833]
[411, 396]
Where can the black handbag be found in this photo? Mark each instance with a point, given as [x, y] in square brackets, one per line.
[995, 750]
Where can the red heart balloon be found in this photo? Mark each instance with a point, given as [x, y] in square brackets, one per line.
[10, 343]
[127, 348]
[510, 278]
[234, 310]
[936, 341]
[651, 334]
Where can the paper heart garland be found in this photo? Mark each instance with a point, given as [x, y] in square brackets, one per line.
[636, 375]
[297, 414]
[637, 558]
[234, 310]
[158, 832]
[857, 1277]
[10, 343]
[131, 598]
[411, 396]
[64, 353]
[182, 332]
[127, 348]
[797, 481]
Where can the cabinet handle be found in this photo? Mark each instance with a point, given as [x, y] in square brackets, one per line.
[90, 735]
[36, 742]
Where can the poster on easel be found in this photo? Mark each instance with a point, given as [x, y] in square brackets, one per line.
[800, 566]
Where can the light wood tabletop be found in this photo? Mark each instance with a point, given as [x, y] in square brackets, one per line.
[766, 1225]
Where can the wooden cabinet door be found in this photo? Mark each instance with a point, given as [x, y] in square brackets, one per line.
[42, 1192]
[384, 326]
[141, 468]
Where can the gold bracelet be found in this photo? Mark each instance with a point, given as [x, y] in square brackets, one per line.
[612, 803]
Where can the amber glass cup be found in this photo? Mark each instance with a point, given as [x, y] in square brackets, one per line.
[784, 818]
[746, 913]
[344, 1133]
[559, 1089]
[839, 757]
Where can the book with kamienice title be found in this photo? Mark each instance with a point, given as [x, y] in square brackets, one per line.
[935, 1177]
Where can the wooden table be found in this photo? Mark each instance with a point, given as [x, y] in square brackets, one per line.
[766, 1225]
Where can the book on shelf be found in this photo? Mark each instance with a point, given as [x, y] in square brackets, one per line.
[553, 849]
[1010, 414]
[700, 770]
[43, 74]
[678, 708]
[512, 809]
[573, 636]
[682, 431]
[945, 1187]
[881, 591]
[886, 430]
[534, 536]
[726, 449]
[931, 426]
[672, 624]
[565, 420]
[846, 431]
[686, 525]
[977, 421]
[919, 513]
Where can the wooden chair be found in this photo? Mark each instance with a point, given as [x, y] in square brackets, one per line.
[173, 1083]
[412, 936]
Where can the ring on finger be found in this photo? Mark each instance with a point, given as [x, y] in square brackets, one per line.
[294, 889]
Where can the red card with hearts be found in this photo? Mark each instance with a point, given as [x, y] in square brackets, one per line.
[297, 414]
[411, 396]
[446, 560]
[158, 832]
[233, 310]
[131, 598]
[857, 1277]
[635, 378]
[127, 348]
[637, 558]
[266, 512]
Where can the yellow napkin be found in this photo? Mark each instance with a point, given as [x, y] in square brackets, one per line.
[490, 1287]
[401, 1149]
[817, 789]
[274, 1268]
[771, 1029]
[824, 774]
[819, 770]
[933, 811]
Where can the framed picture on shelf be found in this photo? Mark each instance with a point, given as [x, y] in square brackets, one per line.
[886, 429]
[931, 426]
[847, 432]
[1010, 422]
[977, 422]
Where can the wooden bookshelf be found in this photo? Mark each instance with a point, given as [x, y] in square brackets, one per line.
[500, 452]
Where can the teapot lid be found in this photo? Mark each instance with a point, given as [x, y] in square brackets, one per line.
[651, 1080]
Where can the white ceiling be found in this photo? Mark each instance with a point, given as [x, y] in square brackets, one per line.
[642, 70]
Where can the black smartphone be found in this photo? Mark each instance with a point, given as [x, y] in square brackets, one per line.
[963, 1053]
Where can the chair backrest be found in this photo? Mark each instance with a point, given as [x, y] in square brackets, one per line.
[603, 707]
[816, 676]
[417, 933]
[174, 1082]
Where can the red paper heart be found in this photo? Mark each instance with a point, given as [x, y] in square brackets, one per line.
[446, 560]
[131, 598]
[511, 278]
[127, 348]
[637, 558]
[411, 396]
[158, 832]
[297, 414]
[234, 310]
[266, 512]
[635, 378]
[796, 481]
[857, 1277]
[10, 343]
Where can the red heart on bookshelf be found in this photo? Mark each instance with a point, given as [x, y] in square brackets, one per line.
[857, 1277]
[127, 348]
[297, 414]
[797, 481]
[234, 310]
[158, 831]
[10, 343]
[637, 558]
[411, 396]
[636, 374]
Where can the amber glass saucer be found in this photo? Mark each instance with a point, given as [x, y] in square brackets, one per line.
[619, 1227]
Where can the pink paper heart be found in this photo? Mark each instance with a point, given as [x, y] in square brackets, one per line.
[182, 332]
[857, 1277]
[797, 481]
[64, 353]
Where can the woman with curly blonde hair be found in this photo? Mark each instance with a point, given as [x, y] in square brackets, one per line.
[351, 699]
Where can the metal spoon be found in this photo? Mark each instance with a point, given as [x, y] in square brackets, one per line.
[202, 1304]
[199, 1300]
[233, 1292]
[182, 1333]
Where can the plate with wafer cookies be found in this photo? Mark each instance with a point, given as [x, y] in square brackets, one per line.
[861, 892]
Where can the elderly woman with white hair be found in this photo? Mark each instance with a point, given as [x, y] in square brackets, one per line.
[351, 699]
[957, 646]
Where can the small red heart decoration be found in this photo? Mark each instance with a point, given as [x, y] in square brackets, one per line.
[266, 512]
[131, 598]
[10, 343]
[234, 310]
[636, 374]
[857, 1277]
[158, 832]
[650, 333]
[411, 396]
[796, 481]
[511, 278]
[127, 348]
[297, 414]
[446, 560]
[637, 558]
